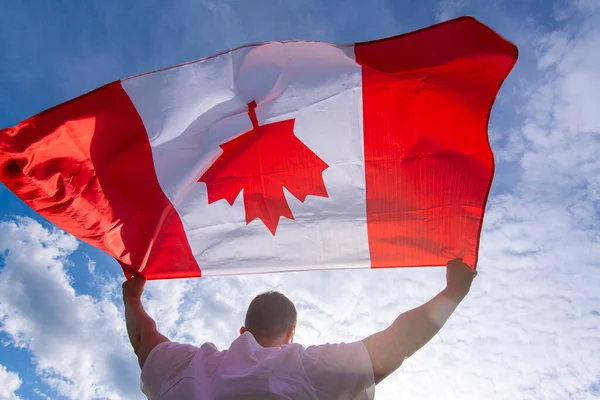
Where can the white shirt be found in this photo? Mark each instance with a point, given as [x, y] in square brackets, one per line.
[248, 371]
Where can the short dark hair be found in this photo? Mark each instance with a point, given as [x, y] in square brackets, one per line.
[270, 315]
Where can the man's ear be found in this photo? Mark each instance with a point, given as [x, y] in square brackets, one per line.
[242, 330]
[289, 336]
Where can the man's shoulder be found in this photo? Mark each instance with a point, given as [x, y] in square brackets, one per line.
[340, 370]
[179, 353]
[334, 348]
[208, 346]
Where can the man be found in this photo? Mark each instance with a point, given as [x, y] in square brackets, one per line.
[263, 363]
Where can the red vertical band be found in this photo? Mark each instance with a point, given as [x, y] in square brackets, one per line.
[427, 98]
[86, 165]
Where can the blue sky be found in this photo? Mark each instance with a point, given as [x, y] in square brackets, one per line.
[527, 331]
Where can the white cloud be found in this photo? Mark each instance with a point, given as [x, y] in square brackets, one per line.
[77, 342]
[9, 384]
[562, 128]
[91, 264]
[448, 9]
[41, 394]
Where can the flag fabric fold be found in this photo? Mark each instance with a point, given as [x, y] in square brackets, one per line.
[278, 156]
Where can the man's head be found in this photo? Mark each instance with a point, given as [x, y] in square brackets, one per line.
[271, 318]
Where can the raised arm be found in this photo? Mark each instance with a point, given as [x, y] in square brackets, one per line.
[413, 329]
[141, 328]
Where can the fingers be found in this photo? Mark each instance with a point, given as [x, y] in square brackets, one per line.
[131, 274]
[133, 287]
[134, 274]
[458, 262]
[134, 280]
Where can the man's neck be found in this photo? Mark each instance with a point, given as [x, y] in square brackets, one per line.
[270, 343]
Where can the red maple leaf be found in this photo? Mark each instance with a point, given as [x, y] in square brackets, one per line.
[262, 162]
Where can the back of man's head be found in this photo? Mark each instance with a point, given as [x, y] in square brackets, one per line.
[270, 315]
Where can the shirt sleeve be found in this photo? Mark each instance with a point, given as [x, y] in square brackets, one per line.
[340, 371]
[165, 363]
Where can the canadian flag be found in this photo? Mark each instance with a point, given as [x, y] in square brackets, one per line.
[279, 156]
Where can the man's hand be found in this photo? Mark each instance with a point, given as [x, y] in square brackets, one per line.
[459, 277]
[134, 288]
